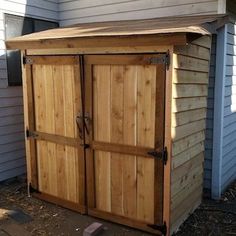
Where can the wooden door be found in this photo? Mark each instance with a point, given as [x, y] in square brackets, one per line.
[55, 90]
[125, 105]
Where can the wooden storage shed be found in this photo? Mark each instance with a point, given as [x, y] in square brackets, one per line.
[115, 117]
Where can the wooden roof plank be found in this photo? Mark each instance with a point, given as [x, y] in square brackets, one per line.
[84, 34]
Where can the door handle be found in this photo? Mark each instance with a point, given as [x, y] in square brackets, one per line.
[79, 122]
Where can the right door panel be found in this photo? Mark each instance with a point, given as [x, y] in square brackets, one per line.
[127, 99]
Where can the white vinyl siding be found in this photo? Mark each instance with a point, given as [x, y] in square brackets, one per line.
[12, 147]
[80, 11]
[229, 122]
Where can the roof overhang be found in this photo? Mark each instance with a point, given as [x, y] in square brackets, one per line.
[161, 31]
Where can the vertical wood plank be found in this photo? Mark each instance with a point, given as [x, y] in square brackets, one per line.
[129, 162]
[159, 143]
[101, 77]
[145, 137]
[80, 158]
[29, 120]
[117, 115]
[60, 130]
[91, 110]
[49, 126]
[40, 104]
[71, 157]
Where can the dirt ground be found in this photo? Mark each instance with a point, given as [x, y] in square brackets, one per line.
[211, 218]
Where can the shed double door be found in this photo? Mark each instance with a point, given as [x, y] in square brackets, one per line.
[97, 122]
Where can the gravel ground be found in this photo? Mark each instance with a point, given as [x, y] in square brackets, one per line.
[212, 218]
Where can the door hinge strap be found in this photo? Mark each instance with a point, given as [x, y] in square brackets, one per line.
[27, 60]
[161, 228]
[30, 134]
[86, 146]
[163, 155]
[165, 59]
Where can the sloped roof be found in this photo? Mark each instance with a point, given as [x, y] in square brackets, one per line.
[167, 25]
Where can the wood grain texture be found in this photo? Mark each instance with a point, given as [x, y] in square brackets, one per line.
[163, 28]
[29, 120]
[189, 104]
[59, 155]
[124, 116]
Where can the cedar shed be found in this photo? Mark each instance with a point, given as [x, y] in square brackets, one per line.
[109, 110]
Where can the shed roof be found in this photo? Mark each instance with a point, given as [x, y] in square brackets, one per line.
[202, 25]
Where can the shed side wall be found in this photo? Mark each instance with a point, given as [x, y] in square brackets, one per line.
[189, 104]
[12, 146]
[72, 12]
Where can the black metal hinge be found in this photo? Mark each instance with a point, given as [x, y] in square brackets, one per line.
[30, 134]
[86, 146]
[32, 189]
[161, 228]
[165, 59]
[27, 60]
[161, 155]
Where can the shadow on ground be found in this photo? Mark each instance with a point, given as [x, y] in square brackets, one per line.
[47, 219]
[213, 218]
[210, 219]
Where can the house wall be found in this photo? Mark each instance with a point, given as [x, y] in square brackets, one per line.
[224, 142]
[79, 11]
[229, 118]
[12, 147]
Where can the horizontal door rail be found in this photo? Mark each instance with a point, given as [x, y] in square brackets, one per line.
[51, 60]
[59, 139]
[122, 148]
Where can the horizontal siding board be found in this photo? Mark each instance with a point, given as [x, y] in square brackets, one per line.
[5, 139]
[189, 90]
[229, 147]
[42, 9]
[10, 129]
[8, 102]
[228, 138]
[12, 164]
[12, 156]
[13, 172]
[11, 92]
[184, 104]
[230, 80]
[10, 147]
[42, 4]
[73, 12]
[230, 119]
[3, 63]
[11, 120]
[11, 111]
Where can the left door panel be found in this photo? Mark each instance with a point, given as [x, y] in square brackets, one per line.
[56, 103]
